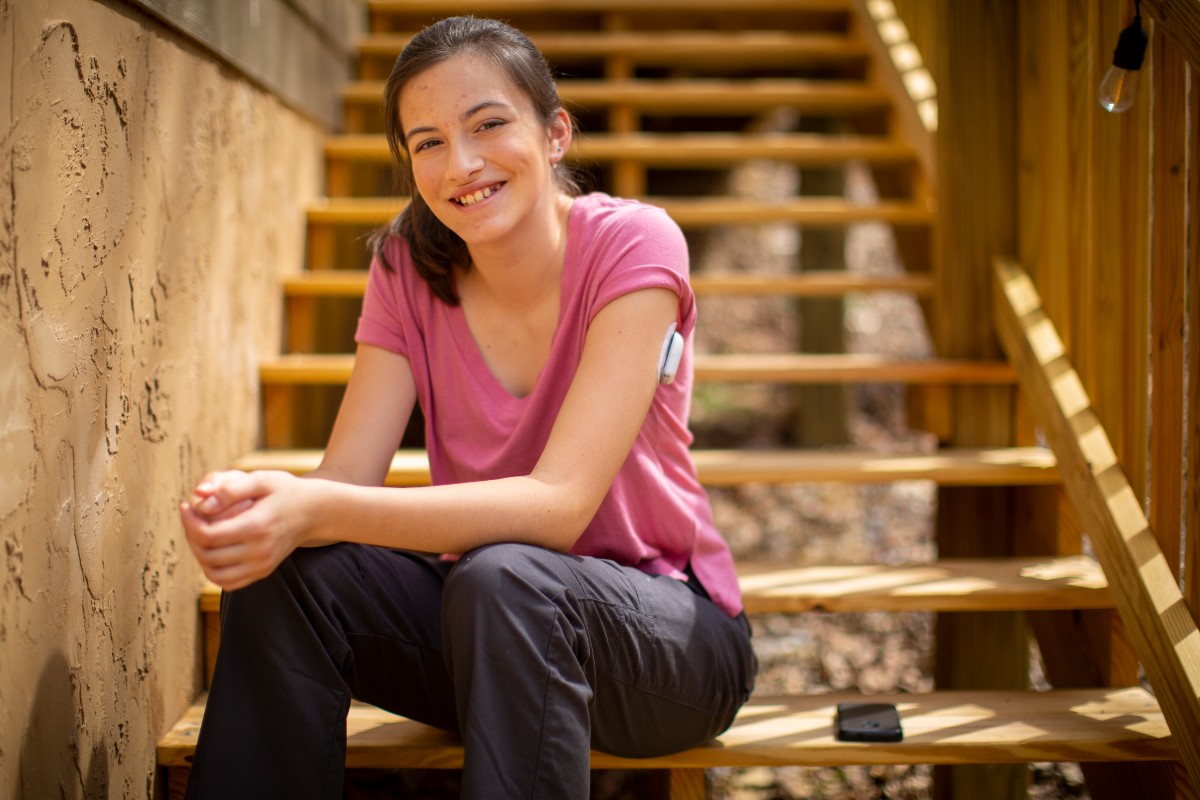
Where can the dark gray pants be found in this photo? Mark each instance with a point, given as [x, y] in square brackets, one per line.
[533, 656]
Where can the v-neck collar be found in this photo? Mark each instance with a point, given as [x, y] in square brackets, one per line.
[467, 345]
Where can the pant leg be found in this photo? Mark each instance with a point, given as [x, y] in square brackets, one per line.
[552, 654]
[329, 623]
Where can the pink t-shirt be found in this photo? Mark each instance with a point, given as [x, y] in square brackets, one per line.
[656, 515]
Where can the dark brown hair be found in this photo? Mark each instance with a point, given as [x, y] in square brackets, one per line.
[434, 248]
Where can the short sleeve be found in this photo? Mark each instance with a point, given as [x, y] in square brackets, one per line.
[381, 323]
[643, 248]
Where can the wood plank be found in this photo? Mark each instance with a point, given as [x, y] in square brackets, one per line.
[809, 284]
[975, 190]
[1112, 292]
[696, 96]
[997, 584]
[1180, 20]
[1012, 584]
[210, 606]
[352, 283]
[687, 784]
[627, 178]
[671, 48]
[1168, 286]
[692, 149]
[687, 212]
[846, 368]
[821, 411]
[441, 8]
[1016, 466]
[906, 118]
[1163, 631]
[939, 728]
[335, 369]
[1192, 509]
[1057, 109]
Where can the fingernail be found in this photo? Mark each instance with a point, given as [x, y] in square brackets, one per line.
[209, 504]
[205, 487]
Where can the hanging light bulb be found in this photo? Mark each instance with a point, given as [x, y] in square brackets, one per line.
[1118, 90]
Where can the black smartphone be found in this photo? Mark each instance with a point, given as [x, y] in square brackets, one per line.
[868, 722]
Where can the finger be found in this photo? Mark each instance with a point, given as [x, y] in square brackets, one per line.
[231, 488]
[233, 510]
[235, 577]
[212, 480]
[230, 555]
[205, 535]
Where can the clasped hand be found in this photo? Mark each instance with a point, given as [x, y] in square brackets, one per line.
[241, 525]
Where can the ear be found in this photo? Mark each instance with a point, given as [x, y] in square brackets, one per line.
[560, 136]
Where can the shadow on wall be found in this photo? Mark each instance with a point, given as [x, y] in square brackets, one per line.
[47, 768]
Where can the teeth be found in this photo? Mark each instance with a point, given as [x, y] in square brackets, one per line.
[472, 199]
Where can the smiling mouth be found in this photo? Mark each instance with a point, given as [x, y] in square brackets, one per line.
[478, 196]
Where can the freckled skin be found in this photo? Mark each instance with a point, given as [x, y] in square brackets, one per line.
[503, 143]
[490, 138]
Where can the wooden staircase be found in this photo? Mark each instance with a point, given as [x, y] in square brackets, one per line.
[675, 84]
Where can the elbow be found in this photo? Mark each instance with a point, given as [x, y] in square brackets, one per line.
[573, 513]
[568, 529]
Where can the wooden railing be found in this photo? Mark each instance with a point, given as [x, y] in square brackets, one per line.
[1161, 626]
[1180, 21]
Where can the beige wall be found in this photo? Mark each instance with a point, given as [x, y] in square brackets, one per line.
[149, 201]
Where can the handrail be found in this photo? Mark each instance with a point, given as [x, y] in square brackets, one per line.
[1162, 630]
[914, 130]
[1180, 21]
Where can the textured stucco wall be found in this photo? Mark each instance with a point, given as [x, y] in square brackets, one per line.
[149, 202]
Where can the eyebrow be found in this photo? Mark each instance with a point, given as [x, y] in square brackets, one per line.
[466, 115]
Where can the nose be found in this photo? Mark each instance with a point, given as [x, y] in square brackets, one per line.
[465, 160]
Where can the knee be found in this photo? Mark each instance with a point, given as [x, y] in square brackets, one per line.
[502, 574]
[303, 572]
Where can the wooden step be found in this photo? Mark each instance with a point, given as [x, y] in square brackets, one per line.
[335, 369]
[352, 283]
[693, 149]
[939, 728]
[696, 96]
[670, 48]
[1013, 466]
[990, 584]
[982, 584]
[695, 212]
[1000, 584]
[441, 8]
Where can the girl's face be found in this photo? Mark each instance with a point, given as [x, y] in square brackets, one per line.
[481, 157]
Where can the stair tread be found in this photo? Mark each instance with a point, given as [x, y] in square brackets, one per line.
[686, 211]
[953, 727]
[698, 95]
[352, 283]
[335, 369]
[488, 7]
[1012, 466]
[669, 47]
[983, 584]
[980, 584]
[681, 149]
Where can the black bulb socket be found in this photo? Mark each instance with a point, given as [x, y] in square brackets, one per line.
[1131, 46]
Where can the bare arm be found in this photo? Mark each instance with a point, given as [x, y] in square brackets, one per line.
[375, 411]
[595, 428]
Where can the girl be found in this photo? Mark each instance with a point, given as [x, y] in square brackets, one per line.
[594, 604]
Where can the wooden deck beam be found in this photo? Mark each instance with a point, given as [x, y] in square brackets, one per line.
[1162, 629]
